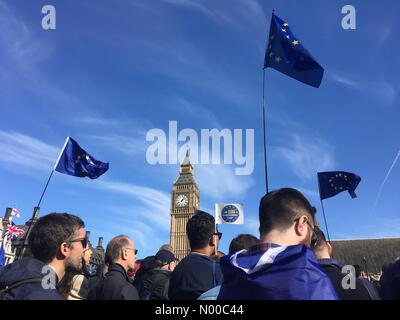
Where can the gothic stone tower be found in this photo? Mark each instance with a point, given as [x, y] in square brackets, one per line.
[185, 200]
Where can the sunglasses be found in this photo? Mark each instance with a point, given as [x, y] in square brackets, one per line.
[219, 234]
[84, 241]
[136, 250]
[314, 237]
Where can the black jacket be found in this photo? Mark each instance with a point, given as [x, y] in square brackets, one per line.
[26, 268]
[155, 285]
[390, 282]
[334, 270]
[194, 275]
[115, 286]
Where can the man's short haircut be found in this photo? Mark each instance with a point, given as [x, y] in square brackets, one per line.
[279, 208]
[242, 241]
[50, 232]
[199, 229]
[114, 248]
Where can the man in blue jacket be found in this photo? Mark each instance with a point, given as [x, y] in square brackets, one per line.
[282, 266]
[57, 242]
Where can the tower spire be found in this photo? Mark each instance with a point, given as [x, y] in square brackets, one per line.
[186, 160]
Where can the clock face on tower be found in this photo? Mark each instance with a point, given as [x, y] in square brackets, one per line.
[181, 200]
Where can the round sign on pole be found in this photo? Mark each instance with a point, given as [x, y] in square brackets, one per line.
[230, 213]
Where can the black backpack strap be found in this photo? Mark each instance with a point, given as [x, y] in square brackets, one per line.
[20, 283]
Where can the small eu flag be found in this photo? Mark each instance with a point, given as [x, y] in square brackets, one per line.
[75, 161]
[333, 182]
[285, 53]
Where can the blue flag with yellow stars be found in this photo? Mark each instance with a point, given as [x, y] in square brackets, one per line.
[333, 182]
[75, 161]
[285, 53]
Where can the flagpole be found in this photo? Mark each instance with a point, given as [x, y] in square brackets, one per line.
[45, 188]
[37, 208]
[323, 210]
[264, 126]
[264, 131]
[326, 224]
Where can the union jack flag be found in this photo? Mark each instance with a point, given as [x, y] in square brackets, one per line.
[13, 231]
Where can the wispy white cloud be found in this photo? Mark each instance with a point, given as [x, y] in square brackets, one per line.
[25, 151]
[177, 62]
[21, 54]
[307, 155]
[308, 193]
[149, 204]
[18, 45]
[143, 234]
[239, 13]
[379, 88]
[198, 111]
[251, 225]
[128, 145]
[219, 182]
[97, 121]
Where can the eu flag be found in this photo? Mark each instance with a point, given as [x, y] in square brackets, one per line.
[285, 53]
[333, 182]
[271, 272]
[75, 161]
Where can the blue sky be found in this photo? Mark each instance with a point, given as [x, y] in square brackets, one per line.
[110, 72]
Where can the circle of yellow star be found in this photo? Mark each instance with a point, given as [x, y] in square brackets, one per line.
[295, 42]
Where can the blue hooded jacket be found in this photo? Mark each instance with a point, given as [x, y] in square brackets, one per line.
[272, 272]
[26, 268]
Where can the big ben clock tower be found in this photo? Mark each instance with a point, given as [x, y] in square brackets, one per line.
[185, 200]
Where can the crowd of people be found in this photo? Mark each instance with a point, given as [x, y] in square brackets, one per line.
[290, 260]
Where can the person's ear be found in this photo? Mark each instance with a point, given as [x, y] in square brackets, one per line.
[301, 226]
[64, 250]
[124, 254]
[329, 248]
[212, 242]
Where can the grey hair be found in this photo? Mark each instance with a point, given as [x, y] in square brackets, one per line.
[114, 248]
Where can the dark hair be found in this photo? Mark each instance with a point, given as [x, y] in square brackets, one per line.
[279, 208]
[115, 247]
[242, 241]
[50, 232]
[199, 228]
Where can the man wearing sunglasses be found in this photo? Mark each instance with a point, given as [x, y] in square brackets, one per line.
[197, 272]
[282, 266]
[56, 242]
[117, 285]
